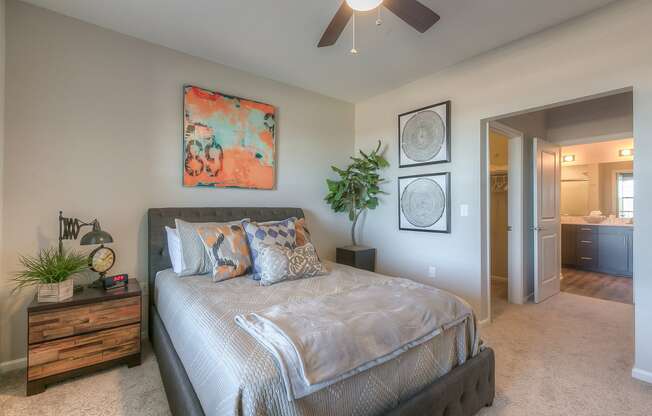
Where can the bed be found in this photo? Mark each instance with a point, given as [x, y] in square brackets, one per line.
[210, 367]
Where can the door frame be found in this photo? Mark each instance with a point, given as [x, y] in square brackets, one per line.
[485, 236]
[516, 217]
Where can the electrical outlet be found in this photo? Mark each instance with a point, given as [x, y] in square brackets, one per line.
[432, 272]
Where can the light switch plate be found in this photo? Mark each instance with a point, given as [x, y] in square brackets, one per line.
[464, 210]
[432, 272]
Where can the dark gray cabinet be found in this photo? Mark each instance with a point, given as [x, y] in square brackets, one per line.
[614, 251]
[568, 243]
[598, 248]
[587, 247]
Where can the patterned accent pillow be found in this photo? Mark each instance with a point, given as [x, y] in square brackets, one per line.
[226, 245]
[282, 233]
[281, 263]
[303, 234]
[195, 257]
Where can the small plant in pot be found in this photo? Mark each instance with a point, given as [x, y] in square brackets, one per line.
[51, 271]
[358, 187]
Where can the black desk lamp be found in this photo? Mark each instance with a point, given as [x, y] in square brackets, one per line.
[102, 258]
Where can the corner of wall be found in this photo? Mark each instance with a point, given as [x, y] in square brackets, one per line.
[3, 324]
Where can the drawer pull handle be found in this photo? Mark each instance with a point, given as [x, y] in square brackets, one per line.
[586, 229]
[586, 242]
[586, 258]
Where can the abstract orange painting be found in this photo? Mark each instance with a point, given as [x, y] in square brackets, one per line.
[228, 141]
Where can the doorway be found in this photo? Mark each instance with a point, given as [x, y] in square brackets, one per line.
[597, 211]
[549, 135]
[506, 211]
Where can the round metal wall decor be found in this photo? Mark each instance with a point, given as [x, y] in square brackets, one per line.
[423, 203]
[423, 136]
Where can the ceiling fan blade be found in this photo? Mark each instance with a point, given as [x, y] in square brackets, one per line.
[336, 26]
[413, 13]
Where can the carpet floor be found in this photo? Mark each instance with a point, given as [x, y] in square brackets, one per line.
[571, 355]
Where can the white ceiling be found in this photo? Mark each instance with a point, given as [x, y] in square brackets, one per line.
[277, 38]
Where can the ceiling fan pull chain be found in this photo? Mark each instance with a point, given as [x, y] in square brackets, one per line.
[354, 51]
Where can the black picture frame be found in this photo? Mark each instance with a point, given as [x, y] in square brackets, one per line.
[447, 215]
[447, 155]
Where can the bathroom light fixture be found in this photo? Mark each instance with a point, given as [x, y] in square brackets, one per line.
[568, 158]
[363, 5]
[626, 152]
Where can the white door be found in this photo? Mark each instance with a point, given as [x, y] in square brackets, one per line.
[547, 224]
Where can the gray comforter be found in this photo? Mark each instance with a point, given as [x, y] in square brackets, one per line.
[329, 338]
[233, 374]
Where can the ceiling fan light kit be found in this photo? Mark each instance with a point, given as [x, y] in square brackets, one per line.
[412, 12]
[364, 5]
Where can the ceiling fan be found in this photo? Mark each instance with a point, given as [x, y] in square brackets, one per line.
[411, 12]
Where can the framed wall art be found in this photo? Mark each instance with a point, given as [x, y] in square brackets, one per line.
[424, 203]
[228, 141]
[424, 136]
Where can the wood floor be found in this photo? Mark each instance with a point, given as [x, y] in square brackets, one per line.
[577, 282]
[598, 285]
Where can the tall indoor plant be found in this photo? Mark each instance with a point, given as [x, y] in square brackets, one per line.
[51, 271]
[358, 187]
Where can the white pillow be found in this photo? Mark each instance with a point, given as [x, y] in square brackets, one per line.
[174, 249]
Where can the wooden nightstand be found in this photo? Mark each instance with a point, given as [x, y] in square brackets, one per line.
[360, 257]
[93, 330]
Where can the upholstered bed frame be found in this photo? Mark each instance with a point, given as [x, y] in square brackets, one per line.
[462, 392]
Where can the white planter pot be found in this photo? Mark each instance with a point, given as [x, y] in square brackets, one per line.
[55, 292]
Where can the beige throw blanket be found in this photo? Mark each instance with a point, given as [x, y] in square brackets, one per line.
[320, 341]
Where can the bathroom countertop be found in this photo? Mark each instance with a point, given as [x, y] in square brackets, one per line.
[605, 223]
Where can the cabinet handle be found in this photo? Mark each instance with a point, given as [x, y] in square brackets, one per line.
[625, 241]
[586, 242]
[586, 258]
[586, 229]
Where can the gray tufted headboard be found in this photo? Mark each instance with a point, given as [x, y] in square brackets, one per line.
[157, 218]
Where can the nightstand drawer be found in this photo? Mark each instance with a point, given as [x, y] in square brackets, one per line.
[50, 325]
[56, 357]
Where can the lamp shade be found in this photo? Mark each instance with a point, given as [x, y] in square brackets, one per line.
[96, 236]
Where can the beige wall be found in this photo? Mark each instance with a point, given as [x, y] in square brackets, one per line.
[94, 127]
[583, 52]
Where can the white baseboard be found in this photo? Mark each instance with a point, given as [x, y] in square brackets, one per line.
[642, 375]
[484, 323]
[13, 365]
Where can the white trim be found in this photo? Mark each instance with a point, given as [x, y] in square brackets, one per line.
[484, 322]
[8, 366]
[642, 375]
[516, 264]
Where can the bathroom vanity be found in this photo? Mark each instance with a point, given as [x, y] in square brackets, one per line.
[602, 248]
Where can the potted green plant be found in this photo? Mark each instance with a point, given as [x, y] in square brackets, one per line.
[358, 187]
[51, 271]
